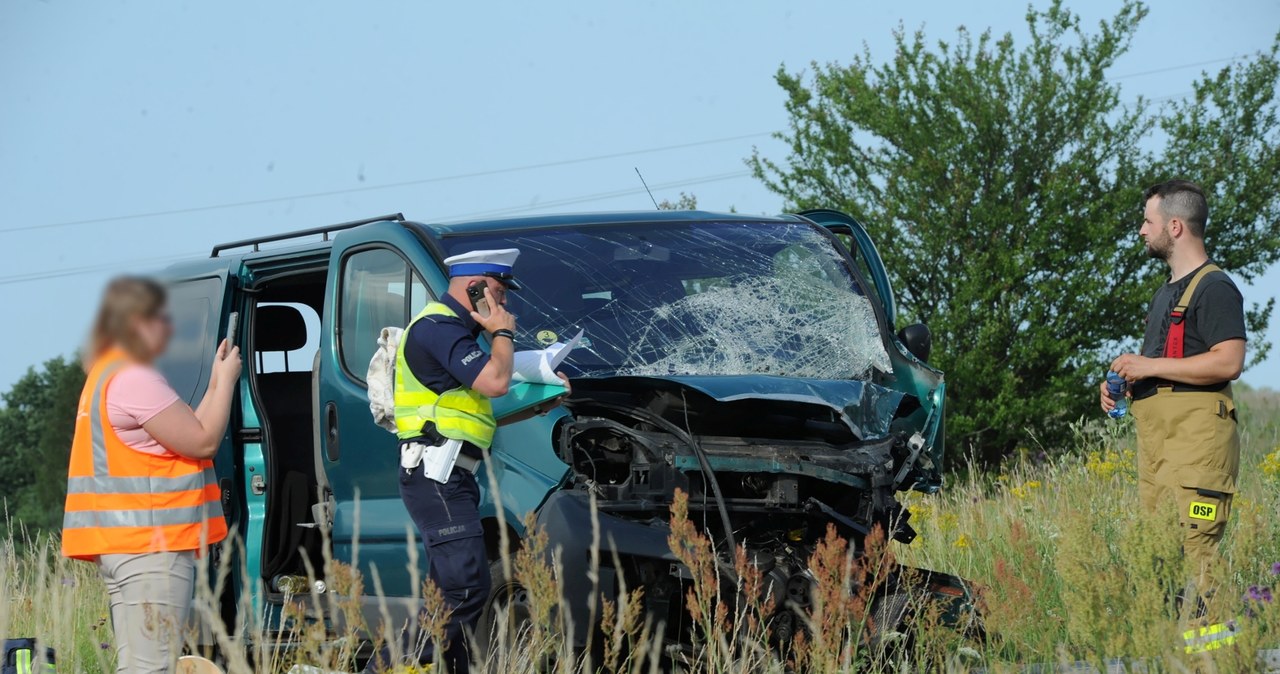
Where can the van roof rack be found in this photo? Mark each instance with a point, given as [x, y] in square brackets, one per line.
[256, 242]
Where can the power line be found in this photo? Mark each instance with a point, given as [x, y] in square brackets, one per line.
[599, 196]
[509, 210]
[127, 264]
[89, 269]
[478, 174]
[369, 188]
[1173, 68]
[1170, 97]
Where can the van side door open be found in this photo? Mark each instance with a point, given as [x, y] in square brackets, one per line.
[379, 276]
[199, 296]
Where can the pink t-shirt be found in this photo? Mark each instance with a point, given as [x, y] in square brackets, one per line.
[135, 395]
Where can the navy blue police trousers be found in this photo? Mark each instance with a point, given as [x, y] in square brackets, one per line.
[448, 520]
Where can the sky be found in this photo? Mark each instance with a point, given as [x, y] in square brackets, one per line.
[220, 121]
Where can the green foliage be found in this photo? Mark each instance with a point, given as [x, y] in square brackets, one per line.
[1003, 186]
[37, 423]
[686, 202]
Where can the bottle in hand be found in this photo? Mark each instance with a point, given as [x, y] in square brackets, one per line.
[1116, 387]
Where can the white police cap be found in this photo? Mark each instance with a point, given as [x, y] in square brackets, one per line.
[494, 263]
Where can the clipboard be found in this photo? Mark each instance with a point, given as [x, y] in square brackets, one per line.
[523, 396]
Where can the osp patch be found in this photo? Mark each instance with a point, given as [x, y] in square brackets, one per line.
[1203, 511]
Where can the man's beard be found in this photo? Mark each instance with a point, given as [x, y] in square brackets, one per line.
[1160, 248]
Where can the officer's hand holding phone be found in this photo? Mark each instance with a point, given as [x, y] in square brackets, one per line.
[496, 317]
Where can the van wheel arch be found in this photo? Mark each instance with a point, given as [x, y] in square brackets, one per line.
[493, 539]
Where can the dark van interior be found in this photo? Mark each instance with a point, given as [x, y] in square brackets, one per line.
[284, 356]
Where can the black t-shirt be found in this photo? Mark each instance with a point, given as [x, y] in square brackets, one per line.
[1215, 315]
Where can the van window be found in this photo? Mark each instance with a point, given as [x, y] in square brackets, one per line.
[306, 323]
[196, 309]
[373, 296]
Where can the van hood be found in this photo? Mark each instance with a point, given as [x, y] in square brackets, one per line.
[866, 409]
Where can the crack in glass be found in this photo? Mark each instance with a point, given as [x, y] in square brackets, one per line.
[692, 298]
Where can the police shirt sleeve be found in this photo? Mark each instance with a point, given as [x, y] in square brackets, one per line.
[1219, 315]
[454, 347]
[465, 360]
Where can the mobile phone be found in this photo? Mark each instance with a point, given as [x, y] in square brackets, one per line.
[233, 323]
[478, 300]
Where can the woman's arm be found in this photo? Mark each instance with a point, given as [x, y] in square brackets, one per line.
[196, 434]
[211, 390]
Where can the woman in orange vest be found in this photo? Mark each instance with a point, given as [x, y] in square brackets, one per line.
[142, 499]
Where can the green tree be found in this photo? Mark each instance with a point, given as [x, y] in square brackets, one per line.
[686, 202]
[37, 423]
[1002, 184]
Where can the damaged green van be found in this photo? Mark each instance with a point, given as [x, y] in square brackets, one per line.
[750, 362]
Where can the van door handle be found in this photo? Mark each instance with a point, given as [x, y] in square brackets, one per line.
[333, 449]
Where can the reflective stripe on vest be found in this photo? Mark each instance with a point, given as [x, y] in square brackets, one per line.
[1210, 638]
[460, 413]
[122, 501]
[1173, 341]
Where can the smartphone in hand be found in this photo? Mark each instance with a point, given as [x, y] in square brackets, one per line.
[478, 301]
[233, 324]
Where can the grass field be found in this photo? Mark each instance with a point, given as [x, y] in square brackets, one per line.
[1065, 566]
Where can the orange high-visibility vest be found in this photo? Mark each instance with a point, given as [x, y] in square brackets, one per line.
[122, 501]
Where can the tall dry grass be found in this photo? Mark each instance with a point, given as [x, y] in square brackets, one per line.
[1066, 567]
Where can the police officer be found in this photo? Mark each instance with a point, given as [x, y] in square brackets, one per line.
[443, 383]
[1188, 448]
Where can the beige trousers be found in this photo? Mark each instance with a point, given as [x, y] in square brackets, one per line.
[1189, 458]
[150, 597]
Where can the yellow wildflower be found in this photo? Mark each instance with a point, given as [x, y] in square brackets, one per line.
[1270, 465]
[1024, 490]
[1107, 463]
[962, 541]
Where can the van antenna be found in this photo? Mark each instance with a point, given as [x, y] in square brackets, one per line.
[646, 188]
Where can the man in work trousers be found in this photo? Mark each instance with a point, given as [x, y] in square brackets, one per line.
[1188, 448]
[443, 383]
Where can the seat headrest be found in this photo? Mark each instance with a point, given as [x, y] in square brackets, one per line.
[279, 328]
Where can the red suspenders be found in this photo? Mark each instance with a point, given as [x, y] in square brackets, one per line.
[1173, 341]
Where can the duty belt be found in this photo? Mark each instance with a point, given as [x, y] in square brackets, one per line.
[467, 463]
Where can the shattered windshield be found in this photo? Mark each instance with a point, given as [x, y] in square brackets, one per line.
[691, 298]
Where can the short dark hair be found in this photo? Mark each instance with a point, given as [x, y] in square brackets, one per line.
[1184, 200]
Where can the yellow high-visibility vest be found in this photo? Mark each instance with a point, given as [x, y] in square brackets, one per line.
[459, 414]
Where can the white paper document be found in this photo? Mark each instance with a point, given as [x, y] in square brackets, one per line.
[539, 367]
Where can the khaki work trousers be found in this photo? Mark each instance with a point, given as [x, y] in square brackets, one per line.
[150, 597]
[1189, 458]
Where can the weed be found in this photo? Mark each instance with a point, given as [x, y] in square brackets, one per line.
[1065, 568]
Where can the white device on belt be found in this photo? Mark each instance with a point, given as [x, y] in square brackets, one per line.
[437, 461]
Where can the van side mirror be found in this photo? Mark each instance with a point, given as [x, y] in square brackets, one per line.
[918, 340]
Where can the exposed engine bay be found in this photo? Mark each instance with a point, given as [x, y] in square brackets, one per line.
[766, 471]
[796, 462]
